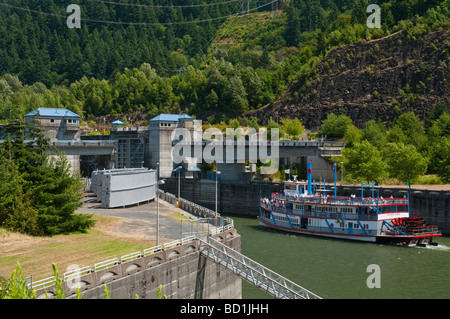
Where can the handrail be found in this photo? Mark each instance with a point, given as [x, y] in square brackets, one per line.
[264, 142]
[249, 270]
[227, 225]
[322, 214]
[341, 200]
[131, 256]
[77, 272]
[95, 143]
[253, 272]
[106, 264]
[319, 214]
[43, 283]
[151, 250]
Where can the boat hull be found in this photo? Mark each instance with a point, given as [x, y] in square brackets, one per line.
[366, 238]
[398, 240]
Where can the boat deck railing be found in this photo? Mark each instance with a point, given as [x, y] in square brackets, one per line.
[319, 214]
[418, 231]
[341, 200]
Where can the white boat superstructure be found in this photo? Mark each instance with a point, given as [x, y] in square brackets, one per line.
[301, 208]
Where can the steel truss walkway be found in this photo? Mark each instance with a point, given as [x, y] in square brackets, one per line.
[253, 272]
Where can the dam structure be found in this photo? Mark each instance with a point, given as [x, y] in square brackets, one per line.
[159, 143]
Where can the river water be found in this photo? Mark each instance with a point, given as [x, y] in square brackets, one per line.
[338, 269]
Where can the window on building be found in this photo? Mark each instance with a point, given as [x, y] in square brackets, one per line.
[52, 120]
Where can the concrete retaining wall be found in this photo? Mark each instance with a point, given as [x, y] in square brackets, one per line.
[181, 271]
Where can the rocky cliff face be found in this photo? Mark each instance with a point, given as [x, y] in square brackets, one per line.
[379, 79]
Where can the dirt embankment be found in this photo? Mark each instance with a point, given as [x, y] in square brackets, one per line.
[378, 79]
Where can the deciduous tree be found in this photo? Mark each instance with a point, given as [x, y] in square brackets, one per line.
[364, 163]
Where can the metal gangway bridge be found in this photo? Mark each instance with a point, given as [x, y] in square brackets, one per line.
[247, 269]
[254, 273]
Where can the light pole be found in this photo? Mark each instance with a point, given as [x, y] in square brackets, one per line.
[178, 170]
[217, 173]
[342, 173]
[158, 182]
[179, 173]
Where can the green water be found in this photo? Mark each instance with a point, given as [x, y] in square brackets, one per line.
[338, 269]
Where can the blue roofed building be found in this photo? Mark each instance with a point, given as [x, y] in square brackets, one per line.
[60, 124]
[160, 141]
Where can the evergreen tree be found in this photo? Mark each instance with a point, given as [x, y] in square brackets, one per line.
[235, 101]
[359, 14]
[38, 196]
[293, 30]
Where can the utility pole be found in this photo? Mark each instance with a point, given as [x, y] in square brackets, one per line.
[157, 204]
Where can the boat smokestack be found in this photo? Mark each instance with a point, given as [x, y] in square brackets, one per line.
[309, 172]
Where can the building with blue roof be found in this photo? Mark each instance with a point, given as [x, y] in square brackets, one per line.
[60, 124]
[161, 128]
[52, 112]
[170, 118]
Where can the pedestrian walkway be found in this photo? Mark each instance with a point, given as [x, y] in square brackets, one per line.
[254, 273]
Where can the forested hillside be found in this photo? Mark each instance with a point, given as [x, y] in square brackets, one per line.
[172, 56]
[376, 80]
[40, 46]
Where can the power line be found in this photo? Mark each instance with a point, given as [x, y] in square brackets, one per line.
[182, 69]
[136, 23]
[165, 6]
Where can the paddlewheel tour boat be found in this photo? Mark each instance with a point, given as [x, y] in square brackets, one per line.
[303, 208]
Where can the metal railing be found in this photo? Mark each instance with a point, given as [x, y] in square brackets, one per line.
[106, 264]
[330, 215]
[50, 281]
[194, 208]
[341, 200]
[247, 269]
[426, 230]
[226, 224]
[46, 282]
[263, 143]
[318, 214]
[77, 273]
[253, 272]
[84, 143]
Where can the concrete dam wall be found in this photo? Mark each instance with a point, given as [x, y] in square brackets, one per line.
[242, 198]
[181, 271]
